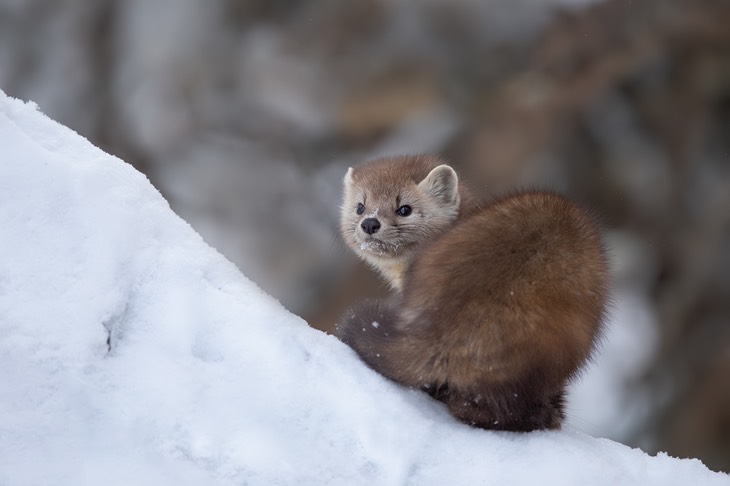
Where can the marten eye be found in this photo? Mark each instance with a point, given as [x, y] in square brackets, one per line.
[404, 210]
[360, 208]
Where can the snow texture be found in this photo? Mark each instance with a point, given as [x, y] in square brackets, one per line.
[133, 353]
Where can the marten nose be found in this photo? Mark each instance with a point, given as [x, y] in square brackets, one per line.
[370, 225]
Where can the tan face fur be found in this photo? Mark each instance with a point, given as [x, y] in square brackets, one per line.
[392, 206]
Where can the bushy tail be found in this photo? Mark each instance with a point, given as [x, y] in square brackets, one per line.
[369, 328]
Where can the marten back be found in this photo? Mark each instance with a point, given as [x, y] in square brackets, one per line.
[496, 314]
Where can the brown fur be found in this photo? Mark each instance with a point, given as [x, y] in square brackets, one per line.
[496, 314]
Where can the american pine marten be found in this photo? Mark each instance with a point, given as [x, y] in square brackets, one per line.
[495, 307]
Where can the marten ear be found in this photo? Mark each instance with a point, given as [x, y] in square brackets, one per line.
[442, 183]
[348, 177]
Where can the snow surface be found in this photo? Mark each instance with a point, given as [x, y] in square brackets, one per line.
[208, 380]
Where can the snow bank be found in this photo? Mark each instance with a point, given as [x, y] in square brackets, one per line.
[206, 380]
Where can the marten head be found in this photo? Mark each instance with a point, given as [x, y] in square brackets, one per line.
[393, 205]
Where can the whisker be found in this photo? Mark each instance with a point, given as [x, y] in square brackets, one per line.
[334, 239]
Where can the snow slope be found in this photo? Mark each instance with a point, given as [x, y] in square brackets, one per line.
[208, 380]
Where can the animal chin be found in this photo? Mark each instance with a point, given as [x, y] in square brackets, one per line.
[374, 247]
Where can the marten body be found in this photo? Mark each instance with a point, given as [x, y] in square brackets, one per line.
[495, 310]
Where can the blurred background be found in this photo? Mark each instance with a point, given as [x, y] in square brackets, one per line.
[246, 114]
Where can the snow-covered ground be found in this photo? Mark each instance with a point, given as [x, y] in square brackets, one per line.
[133, 353]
